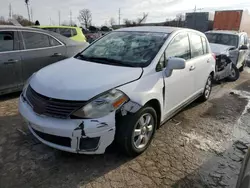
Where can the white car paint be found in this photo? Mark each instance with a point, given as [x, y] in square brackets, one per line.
[86, 80]
[218, 49]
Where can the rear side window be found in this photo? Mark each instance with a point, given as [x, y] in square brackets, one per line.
[196, 45]
[33, 40]
[65, 32]
[179, 47]
[6, 41]
[205, 45]
[51, 29]
[54, 42]
[74, 32]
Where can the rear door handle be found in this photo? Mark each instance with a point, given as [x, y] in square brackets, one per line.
[208, 61]
[56, 55]
[192, 68]
[11, 61]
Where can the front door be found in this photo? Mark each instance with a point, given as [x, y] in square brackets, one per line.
[242, 53]
[10, 62]
[179, 86]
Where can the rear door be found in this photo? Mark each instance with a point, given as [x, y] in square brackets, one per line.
[40, 50]
[10, 61]
[201, 59]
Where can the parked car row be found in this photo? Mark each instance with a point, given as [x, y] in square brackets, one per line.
[24, 51]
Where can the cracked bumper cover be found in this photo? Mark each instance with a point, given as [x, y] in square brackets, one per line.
[86, 136]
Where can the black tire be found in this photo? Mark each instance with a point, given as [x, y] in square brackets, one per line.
[235, 74]
[207, 90]
[125, 131]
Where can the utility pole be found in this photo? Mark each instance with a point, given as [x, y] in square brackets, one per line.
[70, 18]
[59, 17]
[10, 11]
[119, 17]
[31, 14]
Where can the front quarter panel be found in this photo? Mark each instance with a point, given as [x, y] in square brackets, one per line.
[148, 87]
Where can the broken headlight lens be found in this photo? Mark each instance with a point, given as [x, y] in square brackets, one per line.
[102, 105]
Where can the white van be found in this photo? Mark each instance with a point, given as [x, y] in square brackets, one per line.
[122, 87]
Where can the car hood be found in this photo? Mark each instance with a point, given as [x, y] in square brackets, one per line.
[74, 79]
[218, 49]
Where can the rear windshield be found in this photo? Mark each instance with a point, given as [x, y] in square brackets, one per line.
[132, 48]
[225, 39]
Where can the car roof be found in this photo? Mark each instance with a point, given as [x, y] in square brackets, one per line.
[160, 29]
[55, 26]
[224, 32]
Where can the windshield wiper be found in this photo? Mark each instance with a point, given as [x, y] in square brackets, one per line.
[104, 60]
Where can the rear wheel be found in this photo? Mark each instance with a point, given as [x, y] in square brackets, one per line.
[135, 132]
[235, 74]
[207, 90]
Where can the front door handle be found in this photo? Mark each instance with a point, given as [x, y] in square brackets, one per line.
[56, 55]
[11, 61]
[192, 68]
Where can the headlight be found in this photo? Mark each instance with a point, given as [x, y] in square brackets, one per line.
[102, 105]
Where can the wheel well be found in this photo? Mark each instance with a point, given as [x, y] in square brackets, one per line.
[156, 105]
[212, 74]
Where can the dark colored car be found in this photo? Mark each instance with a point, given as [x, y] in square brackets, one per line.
[24, 51]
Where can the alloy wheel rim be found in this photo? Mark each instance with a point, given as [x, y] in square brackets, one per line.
[233, 73]
[208, 87]
[143, 131]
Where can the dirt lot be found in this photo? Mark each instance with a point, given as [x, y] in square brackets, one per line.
[202, 146]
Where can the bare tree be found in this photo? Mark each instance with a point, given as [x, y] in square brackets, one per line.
[85, 17]
[23, 21]
[28, 9]
[142, 19]
[138, 21]
[112, 21]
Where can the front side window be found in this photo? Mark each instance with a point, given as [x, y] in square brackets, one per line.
[179, 47]
[221, 38]
[126, 48]
[6, 41]
[196, 45]
[33, 40]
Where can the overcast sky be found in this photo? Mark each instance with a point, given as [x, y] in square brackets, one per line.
[46, 11]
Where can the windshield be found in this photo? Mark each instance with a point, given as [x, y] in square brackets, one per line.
[136, 49]
[225, 39]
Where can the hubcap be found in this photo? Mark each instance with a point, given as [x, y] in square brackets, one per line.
[143, 131]
[208, 87]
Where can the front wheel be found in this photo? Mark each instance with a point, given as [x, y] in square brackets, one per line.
[135, 132]
[235, 74]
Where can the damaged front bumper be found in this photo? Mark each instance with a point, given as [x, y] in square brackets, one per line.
[85, 136]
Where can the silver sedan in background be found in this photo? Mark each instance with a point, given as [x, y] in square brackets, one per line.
[24, 51]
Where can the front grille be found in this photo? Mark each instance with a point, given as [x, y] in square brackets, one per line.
[59, 140]
[51, 107]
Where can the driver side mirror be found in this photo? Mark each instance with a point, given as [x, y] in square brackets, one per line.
[244, 47]
[174, 63]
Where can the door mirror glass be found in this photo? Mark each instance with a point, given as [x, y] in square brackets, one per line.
[244, 47]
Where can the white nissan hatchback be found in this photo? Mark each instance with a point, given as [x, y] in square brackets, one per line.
[122, 87]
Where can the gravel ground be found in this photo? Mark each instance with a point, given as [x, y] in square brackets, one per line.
[202, 146]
